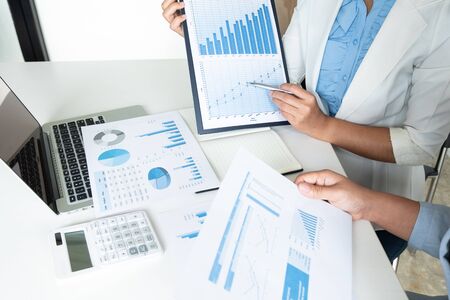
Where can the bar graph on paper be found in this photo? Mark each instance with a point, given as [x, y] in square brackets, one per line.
[251, 34]
[235, 43]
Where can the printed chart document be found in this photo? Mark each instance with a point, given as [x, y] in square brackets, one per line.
[143, 159]
[178, 229]
[231, 44]
[263, 240]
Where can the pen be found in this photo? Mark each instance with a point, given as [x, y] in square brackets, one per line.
[268, 87]
[216, 188]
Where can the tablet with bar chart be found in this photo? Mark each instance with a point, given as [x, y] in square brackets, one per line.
[231, 44]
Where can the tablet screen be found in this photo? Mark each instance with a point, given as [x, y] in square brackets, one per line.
[231, 44]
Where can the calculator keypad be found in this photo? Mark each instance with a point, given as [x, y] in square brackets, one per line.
[125, 236]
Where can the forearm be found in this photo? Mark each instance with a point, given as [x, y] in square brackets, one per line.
[397, 215]
[367, 141]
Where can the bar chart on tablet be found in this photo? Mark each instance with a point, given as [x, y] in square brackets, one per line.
[235, 43]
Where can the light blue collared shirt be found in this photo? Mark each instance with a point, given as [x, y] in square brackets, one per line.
[431, 234]
[350, 37]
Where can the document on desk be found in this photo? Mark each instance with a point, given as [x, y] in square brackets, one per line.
[143, 159]
[231, 44]
[263, 240]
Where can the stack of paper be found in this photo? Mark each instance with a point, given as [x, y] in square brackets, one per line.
[263, 240]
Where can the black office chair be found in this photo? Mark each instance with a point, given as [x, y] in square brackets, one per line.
[434, 173]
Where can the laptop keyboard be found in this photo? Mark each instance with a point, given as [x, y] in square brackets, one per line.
[29, 170]
[69, 141]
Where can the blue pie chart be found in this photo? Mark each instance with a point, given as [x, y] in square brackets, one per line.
[159, 178]
[114, 157]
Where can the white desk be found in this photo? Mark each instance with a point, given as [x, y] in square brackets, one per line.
[59, 90]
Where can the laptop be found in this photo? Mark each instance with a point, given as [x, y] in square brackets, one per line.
[50, 158]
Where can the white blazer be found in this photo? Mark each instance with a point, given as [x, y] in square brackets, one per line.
[403, 83]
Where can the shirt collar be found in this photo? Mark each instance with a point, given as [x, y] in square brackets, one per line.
[348, 13]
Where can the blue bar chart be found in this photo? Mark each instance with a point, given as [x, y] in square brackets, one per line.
[306, 229]
[191, 167]
[170, 129]
[193, 219]
[253, 33]
[296, 281]
[310, 223]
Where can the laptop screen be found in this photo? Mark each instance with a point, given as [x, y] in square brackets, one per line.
[20, 136]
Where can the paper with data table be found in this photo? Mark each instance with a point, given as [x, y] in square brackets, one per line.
[231, 44]
[149, 158]
[263, 241]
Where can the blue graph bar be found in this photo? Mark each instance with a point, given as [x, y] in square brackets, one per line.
[217, 44]
[232, 40]
[276, 214]
[190, 235]
[156, 132]
[203, 50]
[177, 140]
[175, 145]
[252, 34]
[258, 34]
[210, 47]
[217, 265]
[174, 137]
[236, 252]
[264, 31]
[168, 122]
[238, 38]
[245, 37]
[270, 29]
[201, 214]
[226, 49]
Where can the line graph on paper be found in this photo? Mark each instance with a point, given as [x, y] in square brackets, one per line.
[234, 96]
[248, 242]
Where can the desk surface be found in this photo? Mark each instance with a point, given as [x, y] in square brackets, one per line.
[55, 91]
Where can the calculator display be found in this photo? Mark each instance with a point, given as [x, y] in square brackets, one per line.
[78, 250]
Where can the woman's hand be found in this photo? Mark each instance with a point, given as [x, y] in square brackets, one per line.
[338, 190]
[171, 14]
[301, 110]
[393, 213]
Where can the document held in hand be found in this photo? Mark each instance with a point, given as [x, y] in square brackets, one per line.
[263, 240]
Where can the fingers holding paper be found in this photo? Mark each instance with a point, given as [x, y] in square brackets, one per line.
[301, 109]
[171, 12]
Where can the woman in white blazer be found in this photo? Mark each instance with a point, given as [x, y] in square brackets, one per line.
[402, 87]
[395, 114]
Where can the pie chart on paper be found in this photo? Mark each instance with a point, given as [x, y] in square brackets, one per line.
[159, 178]
[114, 157]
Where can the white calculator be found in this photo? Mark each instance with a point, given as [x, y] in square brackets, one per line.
[102, 242]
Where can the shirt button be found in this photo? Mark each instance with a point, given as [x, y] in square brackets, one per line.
[355, 42]
[344, 77]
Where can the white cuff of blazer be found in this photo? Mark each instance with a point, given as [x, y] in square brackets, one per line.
[406, 152]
